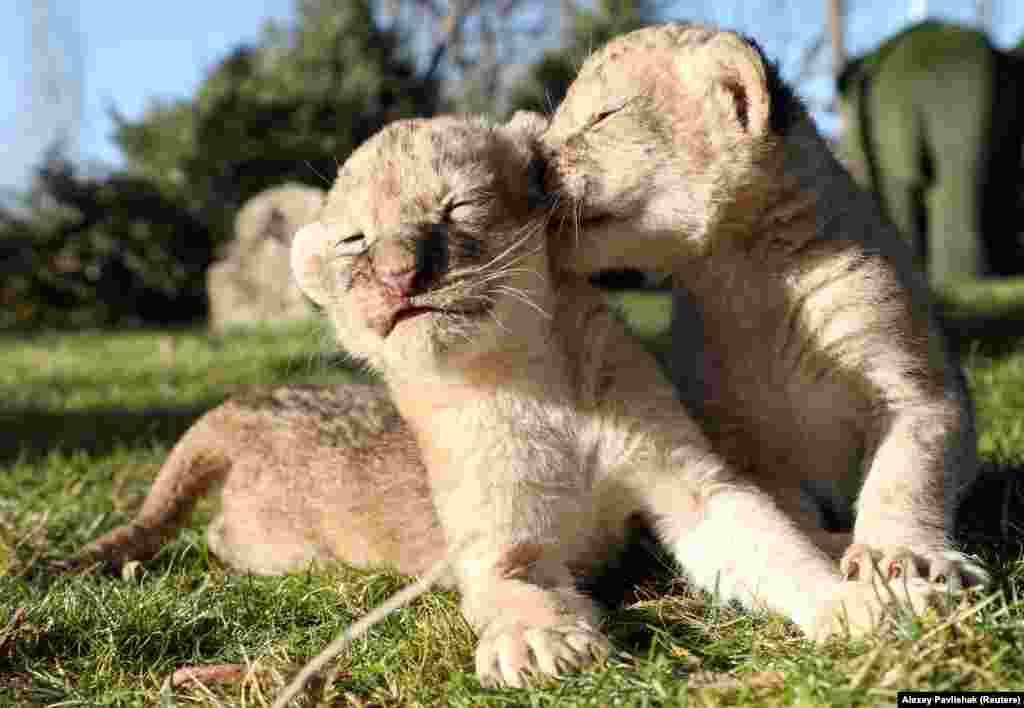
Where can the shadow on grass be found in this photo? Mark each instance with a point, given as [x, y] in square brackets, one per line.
[32, 433]
[991, 515]
[993, 334]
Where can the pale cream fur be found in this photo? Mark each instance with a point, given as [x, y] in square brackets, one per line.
[822, 376]
[544, 426]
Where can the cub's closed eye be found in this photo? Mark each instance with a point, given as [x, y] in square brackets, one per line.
[456, 210]
[601, 116]
[351, 244]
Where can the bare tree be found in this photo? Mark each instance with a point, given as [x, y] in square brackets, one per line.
[983, 9]
[835, 31]
[54, 115]
[476, 44]
[566, 22]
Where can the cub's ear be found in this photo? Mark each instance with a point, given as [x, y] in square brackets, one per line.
[275, 228]
[527, 127]
[528, 122]
[730, 72]
[307, 261]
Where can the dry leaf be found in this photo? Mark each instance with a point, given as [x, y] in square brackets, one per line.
[212, 674]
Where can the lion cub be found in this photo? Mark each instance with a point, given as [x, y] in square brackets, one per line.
[824, 377]
[543, 425]
[532, 426]
[306, 474]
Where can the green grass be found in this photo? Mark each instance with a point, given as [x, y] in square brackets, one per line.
[87, 419]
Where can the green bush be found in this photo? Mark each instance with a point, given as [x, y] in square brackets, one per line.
[100, 252]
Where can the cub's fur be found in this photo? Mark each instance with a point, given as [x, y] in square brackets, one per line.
[543, 426]
[306, 474]
[823, 376]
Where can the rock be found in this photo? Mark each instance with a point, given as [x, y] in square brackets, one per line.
[253, 284]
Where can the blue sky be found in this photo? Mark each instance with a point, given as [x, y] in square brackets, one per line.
[131, 51]
[134, 51]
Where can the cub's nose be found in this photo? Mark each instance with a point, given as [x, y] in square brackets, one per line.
[411, 265]
[401, 280]
[396, 266]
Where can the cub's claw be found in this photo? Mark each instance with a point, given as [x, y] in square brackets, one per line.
[956, 570]
[511, 654]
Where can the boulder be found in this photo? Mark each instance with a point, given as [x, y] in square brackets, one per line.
[252, 284]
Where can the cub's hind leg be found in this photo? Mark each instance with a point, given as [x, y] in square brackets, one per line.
[729, 537]
[732, 539]
[196, 465]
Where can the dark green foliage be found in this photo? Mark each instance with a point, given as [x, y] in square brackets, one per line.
[547, 83]
[548, 80]
[157, 145]
[289, 108]
[95, 252]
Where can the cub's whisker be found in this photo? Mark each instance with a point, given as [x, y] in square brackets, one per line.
[522, 297]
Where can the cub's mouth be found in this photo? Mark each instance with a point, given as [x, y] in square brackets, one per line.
[412, 312]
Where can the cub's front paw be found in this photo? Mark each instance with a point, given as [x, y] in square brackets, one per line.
[509, 654]
[856, 607]
[862, 562]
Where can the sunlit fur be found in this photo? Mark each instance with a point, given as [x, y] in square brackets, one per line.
[525, 427]
[377, 195]
[819, 368]
[544, 426]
